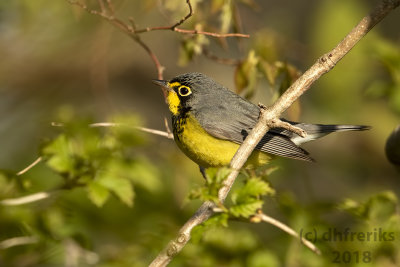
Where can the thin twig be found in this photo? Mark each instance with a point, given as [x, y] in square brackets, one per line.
[175, 28]
[267, 115]
[167, 127]
[101, 5]
[265, 218]
[127, 29]
[109, 15]
[185, 31]
[110, 6]
[186, 17]
[160, 68]
[33, 164]
[277, 123]
[26, 199]
[166, 134]
[18, 241]
[213, 34]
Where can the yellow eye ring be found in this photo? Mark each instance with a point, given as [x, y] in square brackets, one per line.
[184, 90]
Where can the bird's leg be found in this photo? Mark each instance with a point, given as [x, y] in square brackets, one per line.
[278, 123]
[203, 172]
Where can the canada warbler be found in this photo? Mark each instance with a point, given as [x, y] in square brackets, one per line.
[210, 122]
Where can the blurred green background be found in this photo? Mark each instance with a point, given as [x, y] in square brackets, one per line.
[61, 64]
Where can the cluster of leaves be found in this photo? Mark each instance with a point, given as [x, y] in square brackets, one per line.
[81, 164]
[379, 215]
[279, 75]
[376, 215]
[246, 199]
[101, 162]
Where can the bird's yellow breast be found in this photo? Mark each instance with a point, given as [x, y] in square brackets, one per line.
[206, 150]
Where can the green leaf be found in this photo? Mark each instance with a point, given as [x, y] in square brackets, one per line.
[376, 209]
[60, 156]
[209, 191]
[253, 188]
[246, 74]
[246, 199]
[98, 194]
[122, 135]
[226, 16]
[269, 70]
[119, 186]
[382, 206]
[144, 174]
[217, 220]
[216, 175]
[246, 209]
[139, 171]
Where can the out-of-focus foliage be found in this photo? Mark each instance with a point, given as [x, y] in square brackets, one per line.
[118, 196]
[392, 147]
[389, 89]
[102, 163]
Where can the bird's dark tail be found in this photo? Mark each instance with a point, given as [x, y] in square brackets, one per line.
[315, 131]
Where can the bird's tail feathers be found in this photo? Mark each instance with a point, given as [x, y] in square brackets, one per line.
[315, 131]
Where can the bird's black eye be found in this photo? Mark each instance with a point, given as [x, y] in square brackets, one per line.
[184, 90]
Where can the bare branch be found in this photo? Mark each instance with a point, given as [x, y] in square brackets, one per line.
[213, 34]
[107, 12]
[176, 245]
[176, 29]
[186, 17]
[33, 164]
[167, 127]
[101, 5]
[127, 29]
[160, 68]
[26, 199]
[18, 241]
[267, 115]
[166, 134]
[110, 6]
[265, 218]
[185, 31]
[277, 123]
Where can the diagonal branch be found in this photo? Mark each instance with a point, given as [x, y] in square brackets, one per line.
[262, 217]
[267, 115]
[26, 199]
[30, 166]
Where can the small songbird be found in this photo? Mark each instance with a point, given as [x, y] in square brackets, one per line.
[210, 122]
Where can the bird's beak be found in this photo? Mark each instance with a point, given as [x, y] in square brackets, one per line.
[162, 83]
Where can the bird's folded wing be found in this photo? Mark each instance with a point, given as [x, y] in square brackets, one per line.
[234, 124]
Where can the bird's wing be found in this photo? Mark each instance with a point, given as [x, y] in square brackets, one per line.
[234, 124]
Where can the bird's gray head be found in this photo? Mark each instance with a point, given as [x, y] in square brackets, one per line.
[187, 91]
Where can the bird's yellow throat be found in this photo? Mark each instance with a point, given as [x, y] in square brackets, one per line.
[173, 99]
